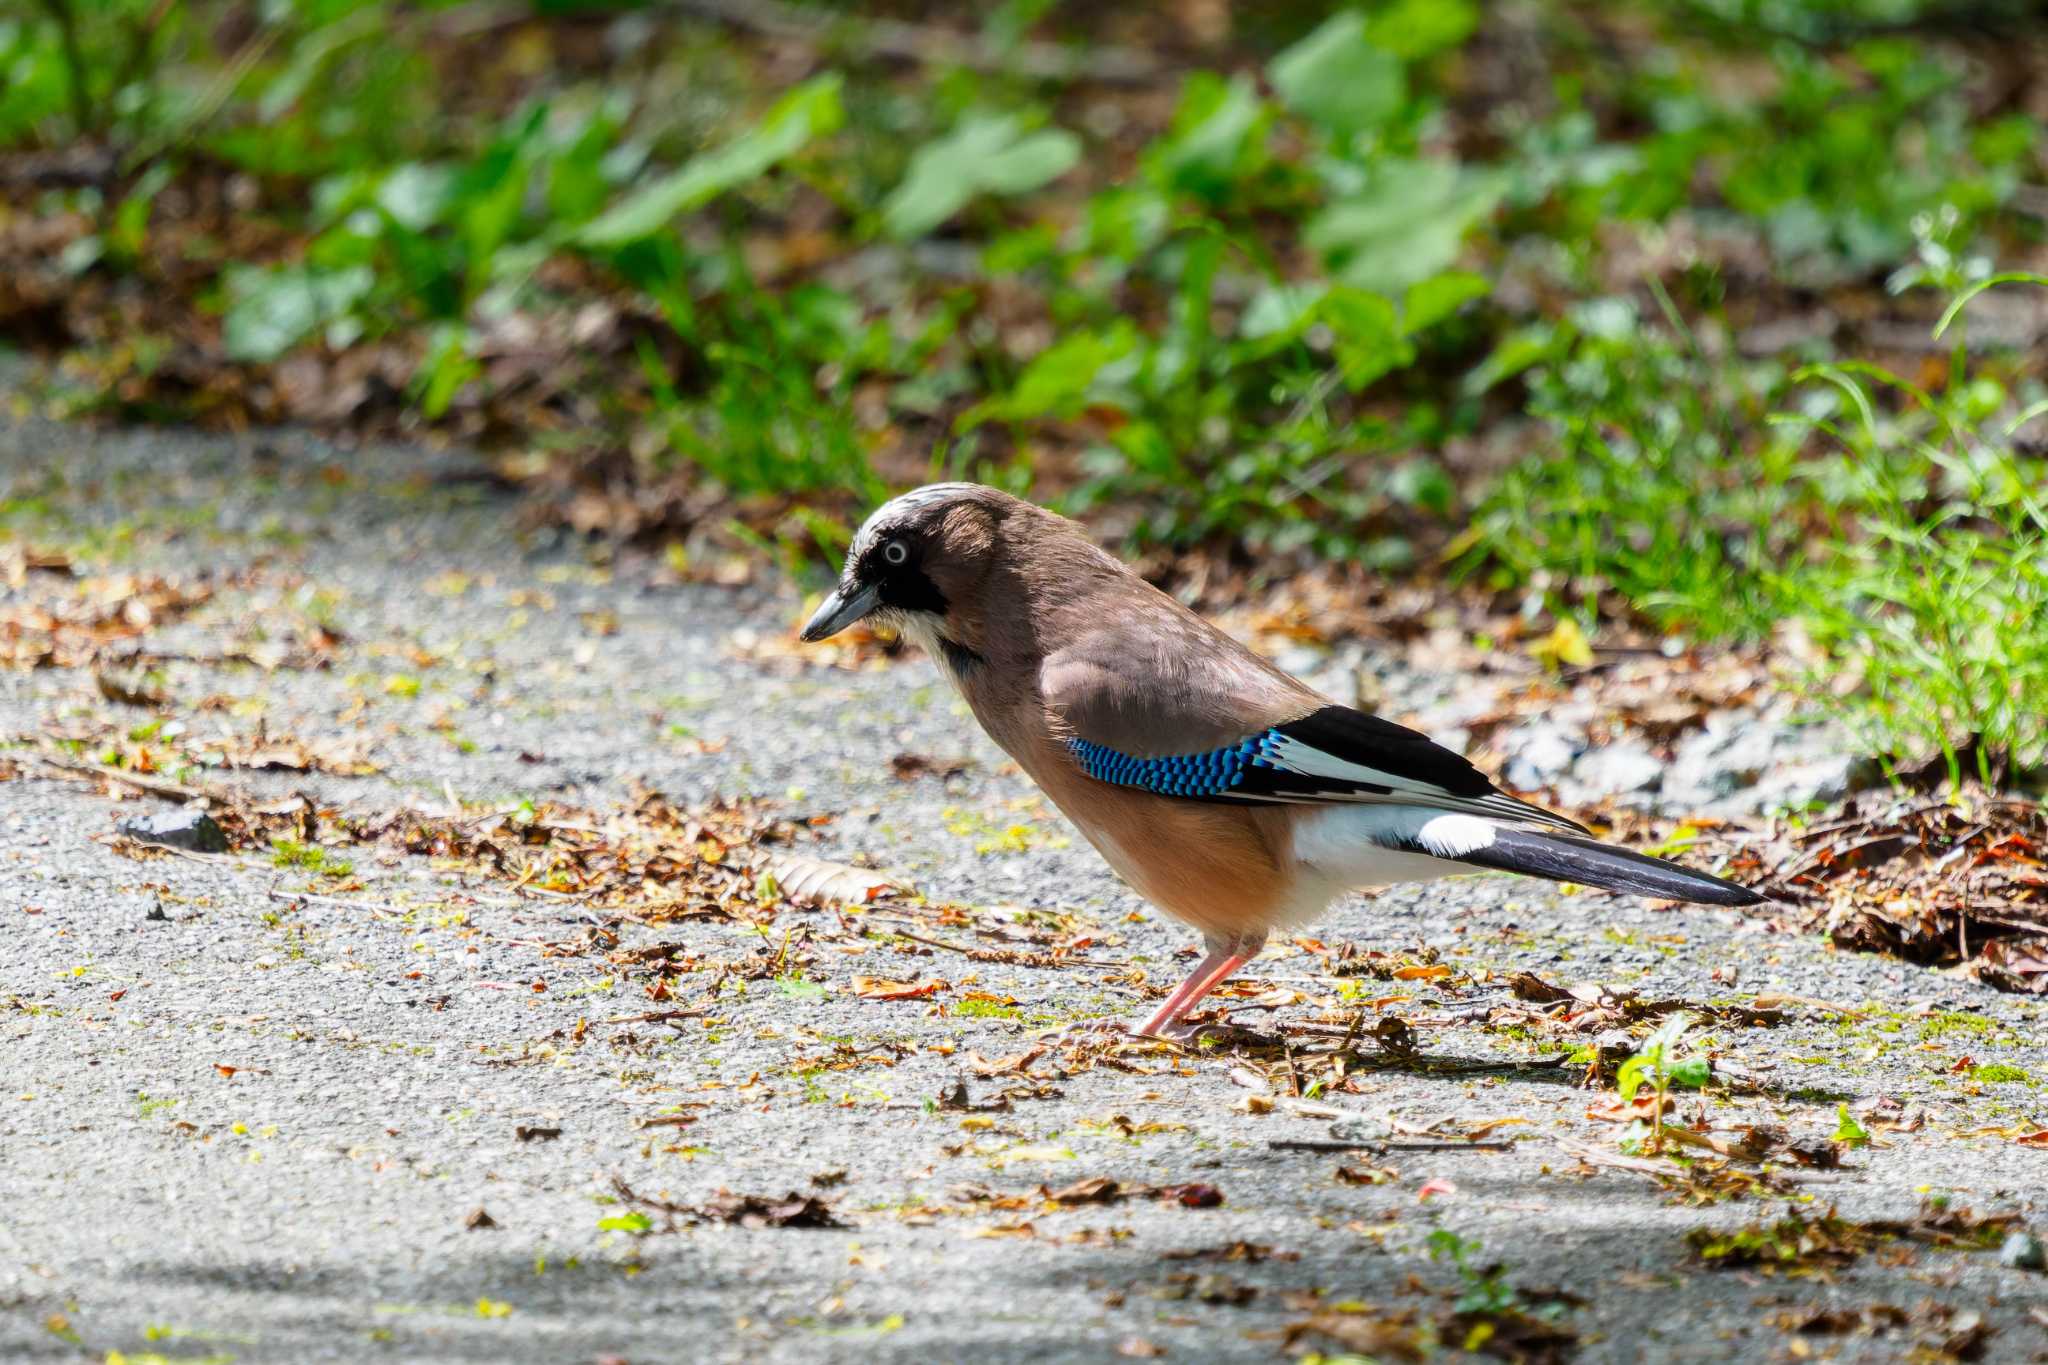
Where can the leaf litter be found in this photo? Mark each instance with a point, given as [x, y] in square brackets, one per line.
[58, 620]
[793, 1210]
[1806, 1242]
[1940, 1331]
[1955, 882]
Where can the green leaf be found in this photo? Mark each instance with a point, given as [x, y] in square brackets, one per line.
[1422, 482]
[1418, 28]
[1337, 79]
[1445, 1245]
[335, 197]
[448, 366]
[1516, 352]
[1210, 143]
[1607, 319]
[271, 310]
[1405, 226]
[427, 267]
[1658, 1049]
[985, 154]
[1439, 296]
[1058, 379]
[811, 110]
[636, 1221]
[1667, 1034]
[128, 234]
[1033, 161]
[1630, 1078]
[490, 193]
[797, 988]
[1691, 1074]
[1962, 299]
[1848, 1130]
[1366, 338]
[583, 169]
[310, 54]
[1280, 312]
[416, 195]
[1125, 222]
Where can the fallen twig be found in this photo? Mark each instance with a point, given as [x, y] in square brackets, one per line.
[1778, 1000]
[1594, 1156]
[1013, 957]
[377, 910]
[654, 1017]
[155, 786]
[1331, 1145]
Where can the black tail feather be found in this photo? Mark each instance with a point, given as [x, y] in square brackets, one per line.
[1564, 858]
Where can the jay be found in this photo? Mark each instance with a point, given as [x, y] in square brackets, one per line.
[1228, 793]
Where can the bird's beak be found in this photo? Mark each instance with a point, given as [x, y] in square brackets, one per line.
[846, 605]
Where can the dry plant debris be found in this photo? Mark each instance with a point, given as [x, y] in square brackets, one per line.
[1939, 1331]
[1803, 1242]
[793, 1210]
[79, 621]
[1960, 881]
[1501, 1330]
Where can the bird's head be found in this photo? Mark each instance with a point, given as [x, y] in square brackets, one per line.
[919, 563]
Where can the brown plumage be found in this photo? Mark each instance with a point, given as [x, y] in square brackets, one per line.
[1229, 794]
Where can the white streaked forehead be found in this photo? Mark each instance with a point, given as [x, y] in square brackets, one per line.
[900, 509]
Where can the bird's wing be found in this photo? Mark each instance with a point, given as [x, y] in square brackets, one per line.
[1221, 727]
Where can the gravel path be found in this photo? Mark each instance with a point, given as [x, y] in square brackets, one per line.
[242, 1125]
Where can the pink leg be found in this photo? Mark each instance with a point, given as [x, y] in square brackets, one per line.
[1209, 973]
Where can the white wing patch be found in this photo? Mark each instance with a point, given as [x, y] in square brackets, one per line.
[1297, 757]
[1453, 836]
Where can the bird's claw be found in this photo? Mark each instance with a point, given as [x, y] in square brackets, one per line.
[1215, 1033]
[1080, 1029]
[1112, 1033]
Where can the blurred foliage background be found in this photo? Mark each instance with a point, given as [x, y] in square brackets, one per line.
[1715, 319]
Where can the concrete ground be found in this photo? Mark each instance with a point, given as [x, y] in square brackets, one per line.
[240, 1122]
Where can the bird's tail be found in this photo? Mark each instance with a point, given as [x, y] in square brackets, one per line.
[1568, 858]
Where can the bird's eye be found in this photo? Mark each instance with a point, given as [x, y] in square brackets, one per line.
[896, 552]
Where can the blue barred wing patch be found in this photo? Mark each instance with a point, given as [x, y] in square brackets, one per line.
[1218, 772]
[1334, 754]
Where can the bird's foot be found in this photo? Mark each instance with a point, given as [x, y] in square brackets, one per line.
[1214, 1035]
[1221, 1035]
[1107, 1033]
[1208, 1036]
[1088, 1030]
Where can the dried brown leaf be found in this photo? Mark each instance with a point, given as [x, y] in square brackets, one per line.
[1392, 1336]
[1093, 1190]
[879, 988]
[804, 880]
[793, 1210]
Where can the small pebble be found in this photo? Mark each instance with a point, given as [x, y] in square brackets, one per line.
[2023, 1251]
[187, 828]
[1360, 1129]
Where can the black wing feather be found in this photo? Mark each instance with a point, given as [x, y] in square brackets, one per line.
[1359, 737]
[1367, 740]
[1562, 858]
